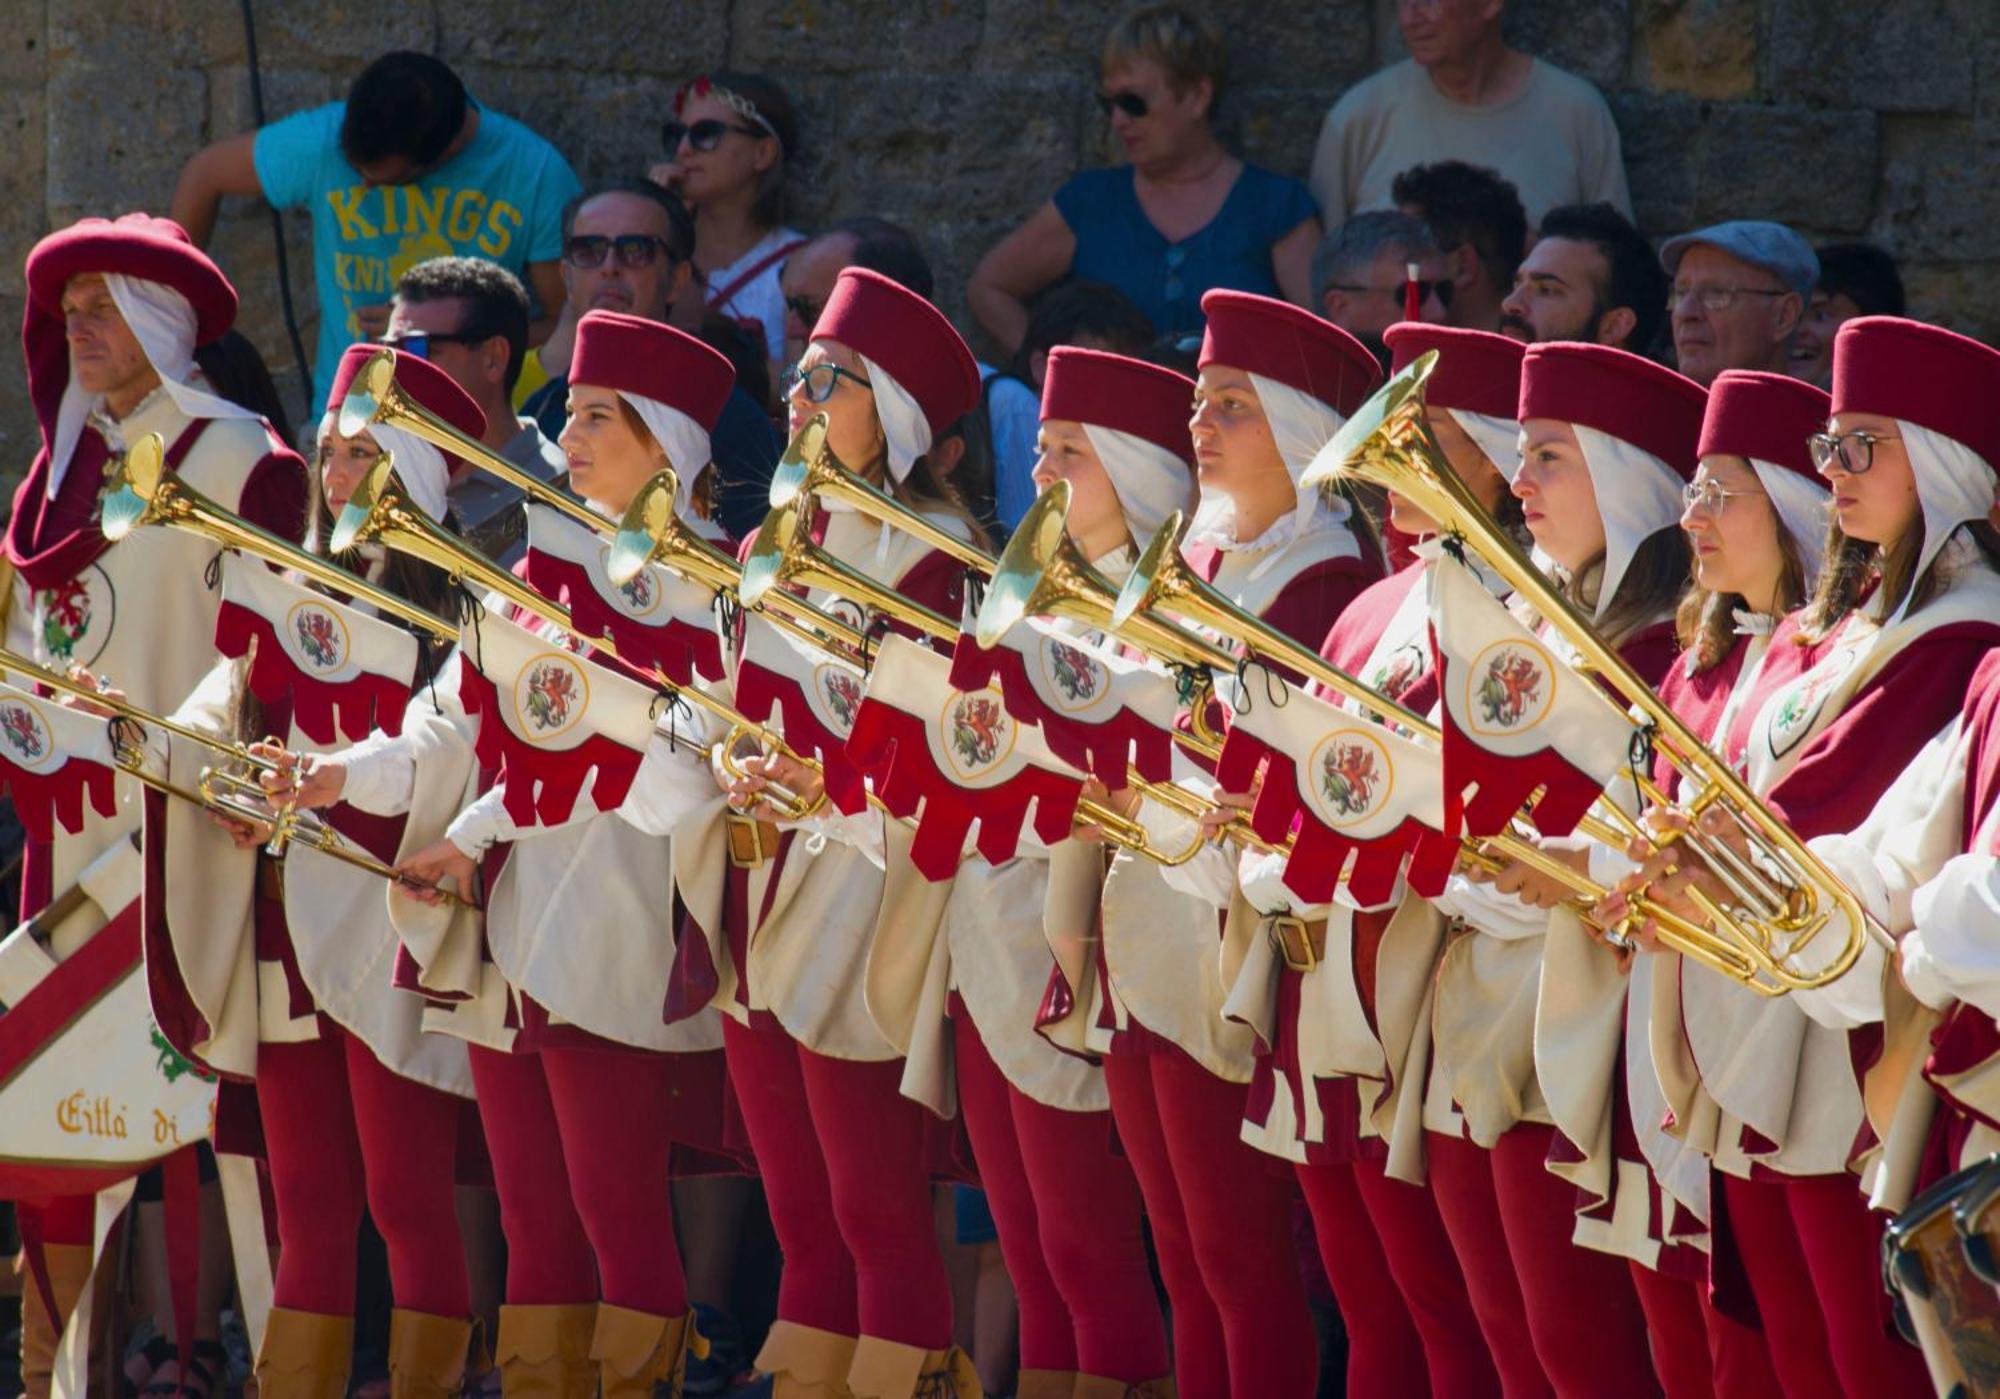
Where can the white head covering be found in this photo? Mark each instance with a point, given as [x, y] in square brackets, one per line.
[419, 464]
[1954, 484]
[1300, 426]
[163, 322]
[1801, 507]
[1499, 438]
[686, 443]
[1151, 481]
[1638, 495]
[904, 426]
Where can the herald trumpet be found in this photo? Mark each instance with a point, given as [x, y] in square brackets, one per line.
[809, 471]
[1784, 896]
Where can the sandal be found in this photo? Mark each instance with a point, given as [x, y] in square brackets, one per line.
[156, 1351]
[206, 1362]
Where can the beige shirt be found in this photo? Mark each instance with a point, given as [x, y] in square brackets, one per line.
[1554, 140]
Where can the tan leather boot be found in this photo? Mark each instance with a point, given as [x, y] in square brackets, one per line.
[427, 1354]
[1098, 1387]
[1045, 1384]
[805, 1362]
[305, 1355]
[544, 1352]
[69, 1270]
[889, 1370]
[639, 1355]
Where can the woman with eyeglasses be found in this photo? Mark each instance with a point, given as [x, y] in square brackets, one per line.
[726, 149]
[1879, 659]
[1181, 216]
[587, 1098]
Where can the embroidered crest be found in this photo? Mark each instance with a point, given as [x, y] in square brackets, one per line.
[171, 1063]
[321, 637]
[66, 618]
[1354, 774]
[1511, 686]
[1400, 669]
[550, 696]
[27, 738]
[1077, 678]
[1796, 708]
[977, 731]
[637, 597]
[840, 693]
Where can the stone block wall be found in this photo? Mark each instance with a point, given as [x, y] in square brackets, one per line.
[1847, 118]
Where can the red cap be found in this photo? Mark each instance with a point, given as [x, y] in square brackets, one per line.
[1262, 335]
[1477, 371]
[906, 335]
[1764, 416]
[1617, 393]
[138, 245]
[1129, 395]
[653, 360]
[420, 379]
[1922, 374]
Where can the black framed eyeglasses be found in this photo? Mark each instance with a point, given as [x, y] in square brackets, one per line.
[1855, 451]
[704, 135]
[805, 308]
[588, 250]
[1130, 103]
[419, 342]
[820, 380]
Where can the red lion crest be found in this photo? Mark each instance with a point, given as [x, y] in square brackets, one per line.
[22, 731]
[977, 726]
[1348, 777]
[843, 696]
[319, 639]
[1512, 682]
[551, 691]
[1072, 672]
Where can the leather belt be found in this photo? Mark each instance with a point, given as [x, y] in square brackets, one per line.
[751, 842]
[1301, 944]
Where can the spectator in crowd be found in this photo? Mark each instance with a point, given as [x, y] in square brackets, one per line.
[629, 246]
[1361, 276]
[1739, 294]
[862, 241]
[407, 168]
[470, 319]
[727, 145]
[1590, 276]
[1181, 217]
[1855, 279]
[1476, 218]
[236, 371]
[1463, 94]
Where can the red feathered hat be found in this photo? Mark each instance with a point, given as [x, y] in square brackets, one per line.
[1922, 374]
[653, 360]
[1129, 395]
[907, 336]
[1477, 371]
[1262, 335]
[1765, 417]
[1617, 393]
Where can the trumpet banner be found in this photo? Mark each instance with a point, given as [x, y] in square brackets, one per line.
[947, 758]
[815, 697]
[346, 673]
[54, 759]
[1098, 712]
[1360, 799]
[1518, 719]
[659, 620]
[549, 719]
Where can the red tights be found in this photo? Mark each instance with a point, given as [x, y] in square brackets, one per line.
[340, 1130]
[581, 1143]
[1697, 1351]
[1221, 1217]
[1068, 1211]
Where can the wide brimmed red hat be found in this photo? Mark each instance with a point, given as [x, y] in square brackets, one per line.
[895, 328]
[1262, 335]
[1765, 417]
[1617, 393]
[1477, 371]
[420, 379]
[137, 245]
[1922, 374]
[652, 360]
[1105, 390]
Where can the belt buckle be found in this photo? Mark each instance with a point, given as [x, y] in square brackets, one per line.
[1294, 944]
[746, 842]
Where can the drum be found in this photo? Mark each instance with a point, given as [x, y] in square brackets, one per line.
[1943, 1304]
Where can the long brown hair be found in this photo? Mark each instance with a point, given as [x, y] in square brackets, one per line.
[1853, 564]
[701, 495]
[1705, 621]
[1653, 581]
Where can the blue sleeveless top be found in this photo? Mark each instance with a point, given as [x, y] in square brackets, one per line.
[1118, 244]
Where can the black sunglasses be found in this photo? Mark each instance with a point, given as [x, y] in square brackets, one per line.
[1130, 103]
[632, 249]
[1443, 289]
[419, 342]
[704, 135]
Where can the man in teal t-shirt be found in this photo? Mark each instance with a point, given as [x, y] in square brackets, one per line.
[408, 168]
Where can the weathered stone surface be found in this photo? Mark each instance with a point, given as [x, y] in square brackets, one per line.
[243, 246]
[21, 179]
[118, 140]
[1914, 56]
[1813, 169]
[1962, 295]
[853, 36]
[18, 435]
[1704, 48]
[1658, 136]
[1279, 127]
[24, 42]
[1938, 196]
[286, 90]
[596, 36]
[338, 34]
[1591, 39]
[1327, 47]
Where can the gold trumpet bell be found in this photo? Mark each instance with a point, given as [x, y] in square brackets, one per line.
[1156, 579]
[1025, 581]
[374, 495]
[783, 553]
[807, 465]
[373, 397]
[128, 503]
[646, 529]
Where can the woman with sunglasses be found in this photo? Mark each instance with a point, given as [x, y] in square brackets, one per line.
[1275, 384]
[585, 1095]
[1181, 216]
[357, 1108]
[788, 909]
[726, 147]
[1876, 663]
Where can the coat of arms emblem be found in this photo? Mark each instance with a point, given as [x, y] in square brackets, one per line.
[1348, 777]
[978, 728]
[552, 691]
[1511, 688]
[319, 637]
[842, 694]
[1075, 675]
[22, 729]
[66, 618]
